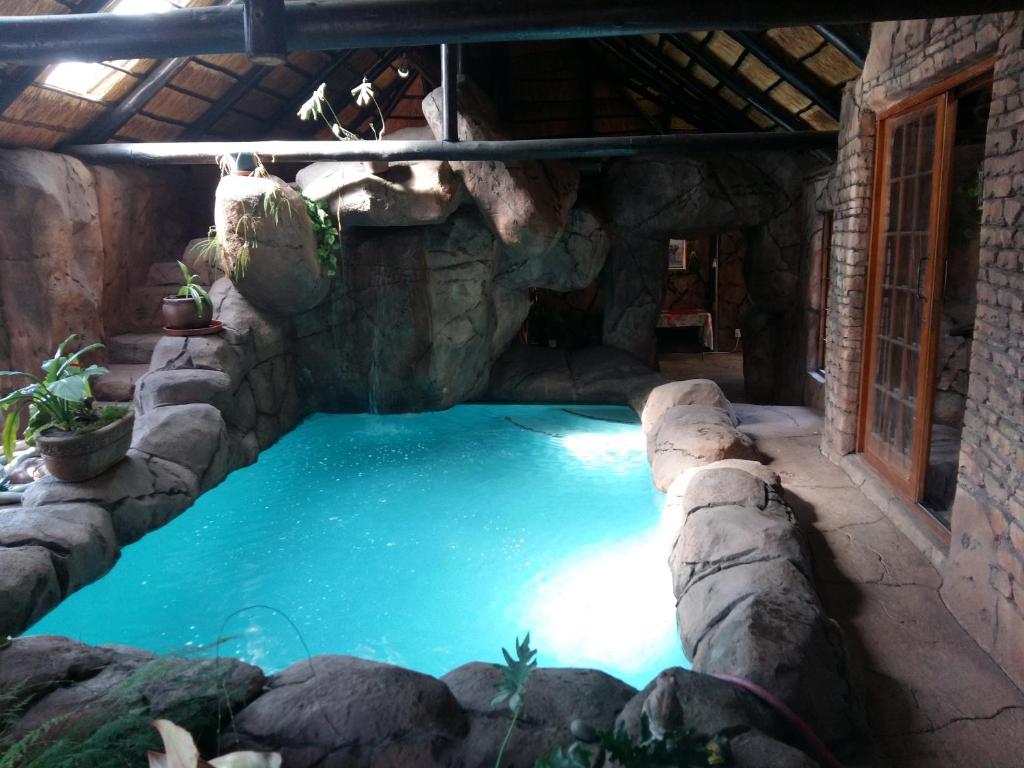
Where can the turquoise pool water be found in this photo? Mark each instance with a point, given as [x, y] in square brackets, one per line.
[425, 540]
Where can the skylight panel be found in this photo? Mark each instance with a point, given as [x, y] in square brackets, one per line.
[94, 80]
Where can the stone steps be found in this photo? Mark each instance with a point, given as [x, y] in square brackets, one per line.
[132, 347]
[119, 385]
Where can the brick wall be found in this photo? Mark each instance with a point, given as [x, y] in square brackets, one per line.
[984, 572]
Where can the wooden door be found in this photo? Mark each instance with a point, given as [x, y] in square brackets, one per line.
[909, 214]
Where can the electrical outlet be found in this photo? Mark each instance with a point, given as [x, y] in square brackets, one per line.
[738, 333]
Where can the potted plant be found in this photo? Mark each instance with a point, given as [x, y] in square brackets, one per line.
[191, 308]
[76, 439]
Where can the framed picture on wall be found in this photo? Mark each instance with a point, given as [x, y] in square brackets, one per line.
[678, 255]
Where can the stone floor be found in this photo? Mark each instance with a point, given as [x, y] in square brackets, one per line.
[723, 368]
[933, 697]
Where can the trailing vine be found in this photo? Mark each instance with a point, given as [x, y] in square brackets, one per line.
[328, 236]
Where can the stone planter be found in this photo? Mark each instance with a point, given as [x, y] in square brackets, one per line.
[181, 313]
[74, 457]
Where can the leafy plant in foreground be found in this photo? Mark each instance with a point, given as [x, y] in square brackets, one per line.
[61, 399]
[512, 688]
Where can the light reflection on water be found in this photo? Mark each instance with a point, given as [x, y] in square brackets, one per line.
[424, 540]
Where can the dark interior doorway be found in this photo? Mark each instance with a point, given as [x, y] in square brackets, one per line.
[959, 301]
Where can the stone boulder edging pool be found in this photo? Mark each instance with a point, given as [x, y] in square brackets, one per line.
[207, 406]
[742, 574]
[339, 711]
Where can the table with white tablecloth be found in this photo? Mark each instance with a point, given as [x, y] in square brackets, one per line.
[690, 318]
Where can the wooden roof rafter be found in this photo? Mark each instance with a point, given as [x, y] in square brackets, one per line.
[735, 82]
[776, 60]
[686, 97]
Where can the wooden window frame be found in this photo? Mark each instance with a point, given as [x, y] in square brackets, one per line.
[824, 286]
[946, 94]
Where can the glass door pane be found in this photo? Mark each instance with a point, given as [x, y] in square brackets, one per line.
[904, 247]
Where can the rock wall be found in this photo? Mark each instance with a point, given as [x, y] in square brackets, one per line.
[74, 239]
[984, 572]
[653, 199]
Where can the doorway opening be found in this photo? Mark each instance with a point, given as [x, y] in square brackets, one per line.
[922, 276]
[702, 308]
[959, 299]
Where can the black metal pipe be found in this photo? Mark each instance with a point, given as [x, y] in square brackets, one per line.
[266, 40]
[339, 24]
[851, 50]
[207, 152]
[449, 92]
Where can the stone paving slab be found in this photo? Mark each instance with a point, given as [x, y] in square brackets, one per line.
[933, 696]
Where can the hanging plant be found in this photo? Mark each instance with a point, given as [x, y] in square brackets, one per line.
[318, 107]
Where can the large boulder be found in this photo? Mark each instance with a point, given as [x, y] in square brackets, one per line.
[689, 392]
[29, 587]
[526, 203]
[746, 605]
[121, 690]
[554, 698]
[405, 194]
[141, 493]
[51, 255]
[572, 263]
[709, 706]
[268, 245]
[193, 436]
[80, 538]
[342, 711]
[691, 436]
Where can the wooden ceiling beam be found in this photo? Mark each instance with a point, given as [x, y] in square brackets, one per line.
[240, 88]
[672, 96]
[730, 117]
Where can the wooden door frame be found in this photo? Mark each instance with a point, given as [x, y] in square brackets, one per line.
[945, 94]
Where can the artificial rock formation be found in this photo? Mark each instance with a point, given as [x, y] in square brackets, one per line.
[73, 240]
[267, 244]
[690, 424]
[526, 203]
[400, 195]
[411, 322]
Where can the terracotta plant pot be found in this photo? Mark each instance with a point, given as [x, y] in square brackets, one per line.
[74, 457]
[181, 313]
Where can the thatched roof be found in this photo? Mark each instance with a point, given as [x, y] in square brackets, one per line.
[698, 81]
